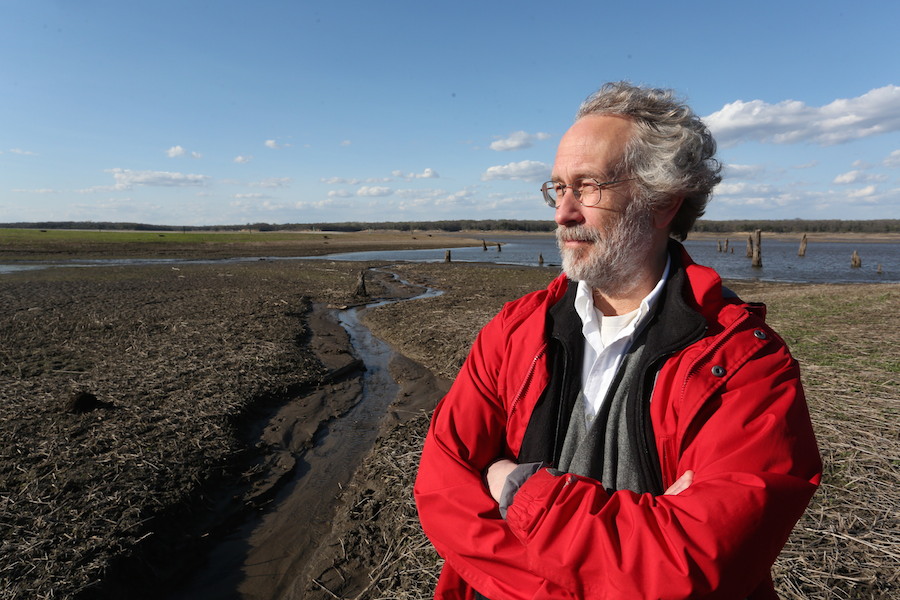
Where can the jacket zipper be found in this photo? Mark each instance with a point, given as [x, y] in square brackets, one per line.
[523, 389]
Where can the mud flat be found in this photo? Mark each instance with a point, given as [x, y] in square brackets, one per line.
[132, 400]
[113, 498]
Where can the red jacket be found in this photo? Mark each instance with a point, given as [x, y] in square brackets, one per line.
[743, 428]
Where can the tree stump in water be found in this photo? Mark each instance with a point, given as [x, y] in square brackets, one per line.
[757, 249]
[802, 250]
[855, 260]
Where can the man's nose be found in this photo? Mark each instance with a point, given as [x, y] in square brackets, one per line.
[568, 209]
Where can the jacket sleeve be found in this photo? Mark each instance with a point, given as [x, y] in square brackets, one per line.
[457, 513]
[751, 446]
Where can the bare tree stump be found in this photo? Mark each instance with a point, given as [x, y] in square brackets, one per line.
[757, 249]
[484, 245]
[802, 250]
[541, 259]
[361, 286]
[750, 246]
[447, 257]
[855, 260]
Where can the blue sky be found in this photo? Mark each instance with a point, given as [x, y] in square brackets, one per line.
[220, 112]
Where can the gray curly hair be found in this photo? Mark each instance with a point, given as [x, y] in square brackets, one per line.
[671, 152]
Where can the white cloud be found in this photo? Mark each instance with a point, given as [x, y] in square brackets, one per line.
[743, 188]
[176, 151]
[22, 152]
[272, 182]
[848, 177]
[743, 171]
[517, 140]
[857, 176]
[426, 174]
[893, 160]
[274, 145]
[865, 192]
[248, 204]
[340, 194]
[126, 179]
[526, 170]
[254, 196]
[458, 199]
[331, 204]
[37, 191]
[242, 160]
[346, 143]
[340, 181]
[843, 120]
[374, 191]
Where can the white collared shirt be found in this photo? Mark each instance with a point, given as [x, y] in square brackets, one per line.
[606, 340]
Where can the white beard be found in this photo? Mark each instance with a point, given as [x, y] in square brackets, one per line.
[614, 259]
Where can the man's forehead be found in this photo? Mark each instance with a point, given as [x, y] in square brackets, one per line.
[604, 126]
[593, 147]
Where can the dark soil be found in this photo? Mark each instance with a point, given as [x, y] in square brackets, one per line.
[120, 495]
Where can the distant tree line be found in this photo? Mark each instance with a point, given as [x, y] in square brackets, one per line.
[801, 226]
[773, 226]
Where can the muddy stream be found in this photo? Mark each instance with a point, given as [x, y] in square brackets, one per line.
[267, 556]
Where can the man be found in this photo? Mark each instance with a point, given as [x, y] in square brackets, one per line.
[634, 430]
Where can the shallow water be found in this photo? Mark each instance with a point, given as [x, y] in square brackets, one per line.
[825, 262]
[264, 558]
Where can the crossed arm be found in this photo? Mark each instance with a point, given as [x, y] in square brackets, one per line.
[498, 471]
[740, 486]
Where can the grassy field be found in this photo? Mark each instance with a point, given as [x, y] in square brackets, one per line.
[54, 244]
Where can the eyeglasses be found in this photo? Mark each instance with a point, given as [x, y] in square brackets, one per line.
[586, 190]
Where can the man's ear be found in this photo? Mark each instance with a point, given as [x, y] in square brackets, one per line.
[662, 217]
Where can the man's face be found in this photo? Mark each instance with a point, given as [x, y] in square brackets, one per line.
[605, 245]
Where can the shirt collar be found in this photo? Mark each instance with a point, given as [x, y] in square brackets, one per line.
[584, 298]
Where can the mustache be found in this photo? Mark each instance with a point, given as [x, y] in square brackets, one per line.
[577, 233]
